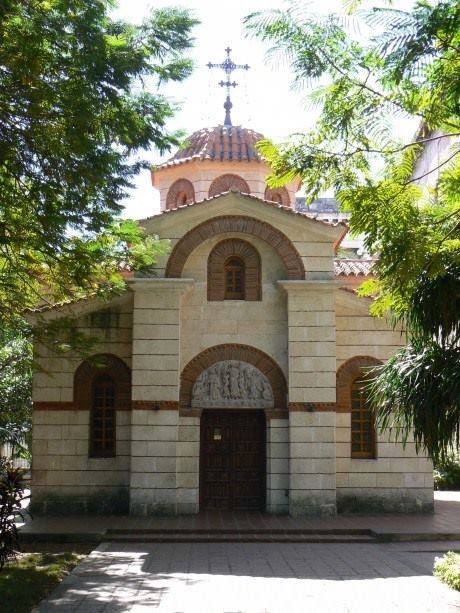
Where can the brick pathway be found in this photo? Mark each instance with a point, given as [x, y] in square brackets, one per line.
[256, 578]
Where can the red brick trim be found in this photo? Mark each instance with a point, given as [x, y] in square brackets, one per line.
[110, 365]
[312, 407]
[276, 414]
[244, 353]
[155, 405]
[346, 374]
[190, 412]
[243, 225]
[180, 193]
[278, 194]
[54, 406]
[226, 183]
[216, 268]
[68, 406]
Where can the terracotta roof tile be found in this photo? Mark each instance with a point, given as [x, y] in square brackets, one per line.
[221, 144]
[356, 268]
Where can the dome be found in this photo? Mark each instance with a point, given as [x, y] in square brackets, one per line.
[220, 144]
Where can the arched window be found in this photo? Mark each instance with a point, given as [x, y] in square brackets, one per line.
[278, 194]
[234, 279]
[180, 193]
[363, 443]
[103, 418]
[102, 386]
[234, 271]
[227, 183]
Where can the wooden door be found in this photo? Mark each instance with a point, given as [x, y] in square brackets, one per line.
[232, 462]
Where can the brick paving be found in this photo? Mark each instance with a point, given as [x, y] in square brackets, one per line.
[256, 578]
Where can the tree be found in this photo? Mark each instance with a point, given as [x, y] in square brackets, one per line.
[74, 111]
[12, 494]
[15, 387]
[407, 67]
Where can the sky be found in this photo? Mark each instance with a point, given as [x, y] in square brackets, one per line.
[264, 99]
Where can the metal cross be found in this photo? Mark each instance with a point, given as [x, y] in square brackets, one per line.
[228, 66]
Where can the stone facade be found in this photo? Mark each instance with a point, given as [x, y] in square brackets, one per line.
[292, 350]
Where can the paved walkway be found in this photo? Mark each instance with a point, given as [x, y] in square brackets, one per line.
[256, 578]
[445, 521]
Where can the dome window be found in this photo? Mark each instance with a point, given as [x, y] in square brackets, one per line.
[280, 195]
[227, 183]
[180, 193]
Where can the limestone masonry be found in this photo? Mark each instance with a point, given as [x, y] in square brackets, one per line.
[233, 376]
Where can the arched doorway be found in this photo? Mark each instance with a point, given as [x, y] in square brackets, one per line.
[233, 395]
[232, 387]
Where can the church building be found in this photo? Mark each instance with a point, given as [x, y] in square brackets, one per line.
[231, 377]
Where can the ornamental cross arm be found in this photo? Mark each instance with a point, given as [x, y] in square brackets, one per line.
[228, 66]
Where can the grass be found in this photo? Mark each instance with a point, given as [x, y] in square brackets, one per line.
[33, 576]
[447, 569]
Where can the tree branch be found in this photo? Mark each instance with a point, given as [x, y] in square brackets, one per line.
[451, 157]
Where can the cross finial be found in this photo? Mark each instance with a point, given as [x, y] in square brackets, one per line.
[228, 66]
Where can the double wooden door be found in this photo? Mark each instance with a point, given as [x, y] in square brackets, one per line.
[232, 460]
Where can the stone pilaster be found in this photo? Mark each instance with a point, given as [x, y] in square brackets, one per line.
[155, 394]
[311, 391]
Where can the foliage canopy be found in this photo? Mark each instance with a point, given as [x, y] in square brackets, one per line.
[391, 65]
[74, 113]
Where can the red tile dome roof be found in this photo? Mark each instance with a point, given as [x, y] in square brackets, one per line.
[220, 144]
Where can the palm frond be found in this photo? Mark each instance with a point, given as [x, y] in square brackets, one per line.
[417, 392]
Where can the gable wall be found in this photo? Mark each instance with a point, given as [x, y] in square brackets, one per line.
[313, 240]
[261, 324]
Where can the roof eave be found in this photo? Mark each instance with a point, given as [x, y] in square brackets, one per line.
[339, 228]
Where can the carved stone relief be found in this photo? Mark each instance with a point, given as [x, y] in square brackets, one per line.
[232, 384]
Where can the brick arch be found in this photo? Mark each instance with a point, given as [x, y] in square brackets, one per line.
[347, 374]
[180, 193]
[243, 225]
[278, 194]
[243, 353]
[102, 364]
[216, 268]
[227, 183]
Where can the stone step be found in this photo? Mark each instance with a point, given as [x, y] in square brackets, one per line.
[234, 537]
[241, 530]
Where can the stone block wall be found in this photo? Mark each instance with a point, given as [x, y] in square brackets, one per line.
[188, 464]
[277, 500]
[312, 463]
[155, 394]
[398, 480]
[312, 394]
[360, 334]
[153, 462]
[64, 478]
